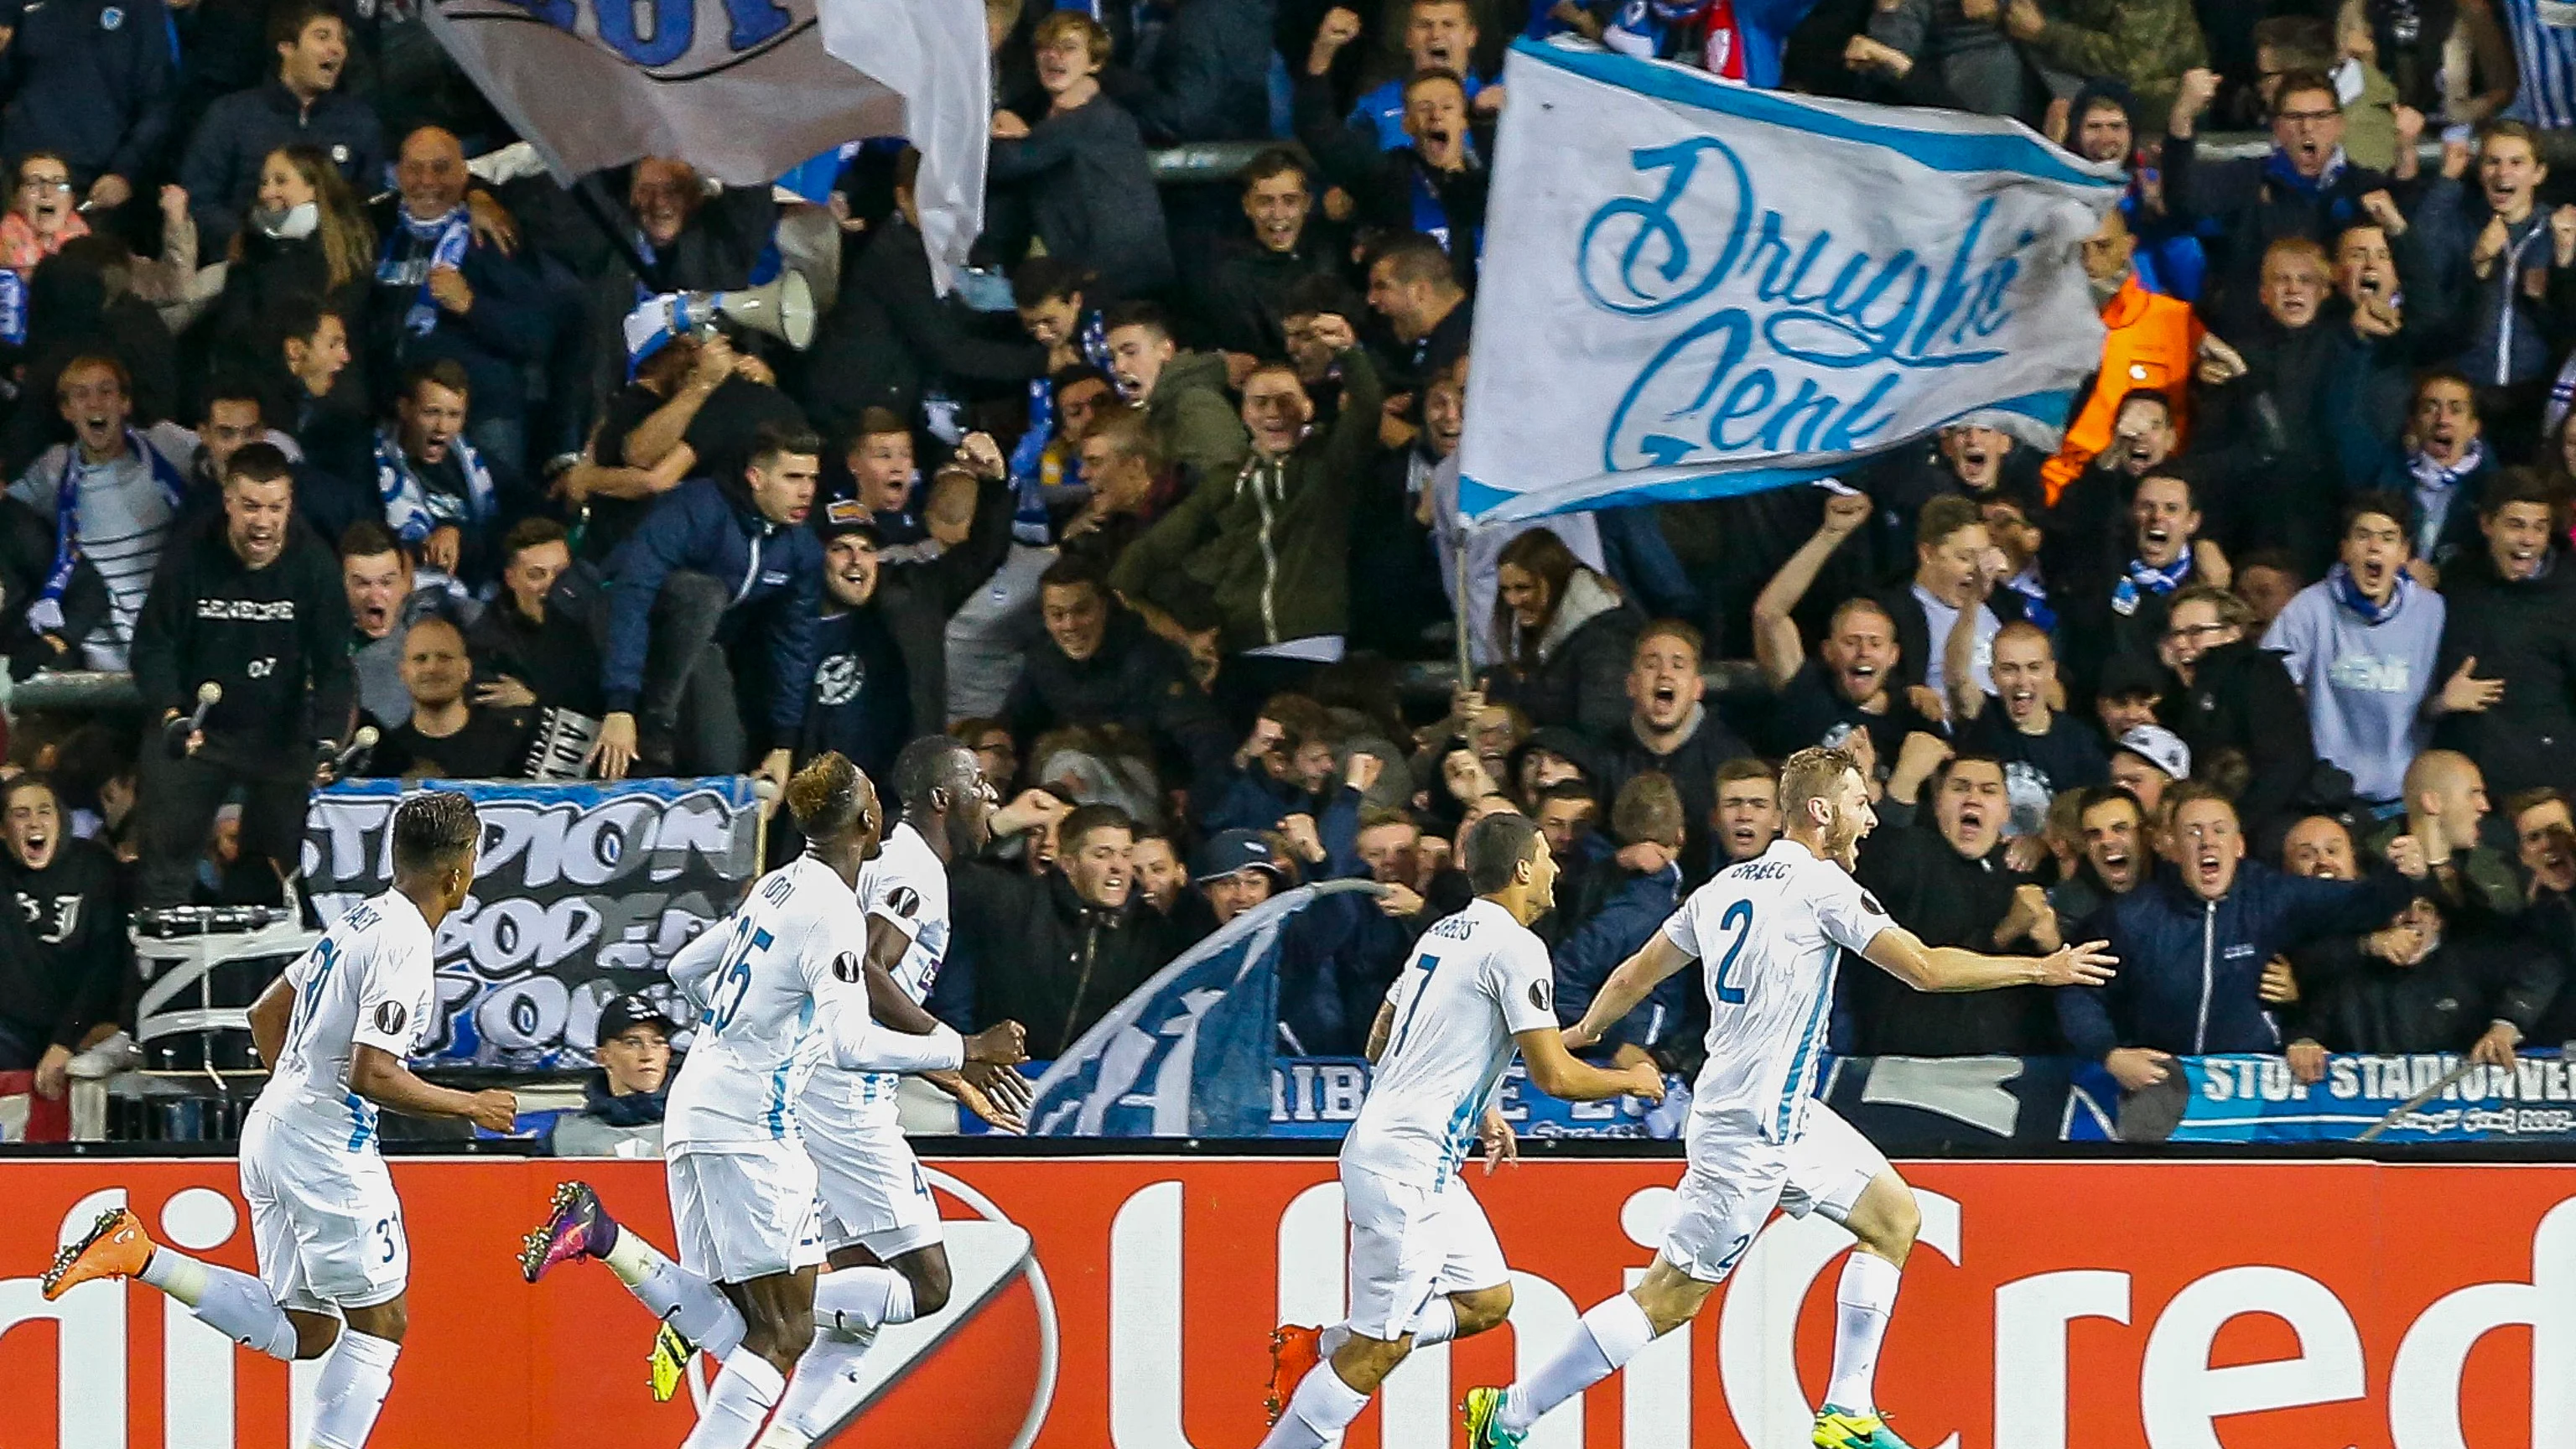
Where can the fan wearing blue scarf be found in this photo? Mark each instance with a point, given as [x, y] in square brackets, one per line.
[437, 508]
[2362, 645]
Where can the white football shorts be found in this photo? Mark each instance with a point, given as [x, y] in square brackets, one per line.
[1409, 1242]
[324, 1220]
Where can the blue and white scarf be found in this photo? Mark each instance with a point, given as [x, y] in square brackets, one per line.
[447, 237]
[2277, 168]
[407, 497]
[174, 486]
[2145, 578]
[2437, 488]
[2347, 593]
[2035, 608]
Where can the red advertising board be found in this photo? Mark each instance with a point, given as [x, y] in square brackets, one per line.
[1127, 1302]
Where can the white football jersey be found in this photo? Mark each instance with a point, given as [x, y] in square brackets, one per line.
[1476, 980]
[368, 980]
[790, 957]
[906, 886]
[1768, 933]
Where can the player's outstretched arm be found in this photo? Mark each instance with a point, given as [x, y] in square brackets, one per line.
[1633, 982]
[1554, 1070]
[1901, 954]
[382, 1078]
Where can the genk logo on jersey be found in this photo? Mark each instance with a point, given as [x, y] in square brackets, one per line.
[673, 39]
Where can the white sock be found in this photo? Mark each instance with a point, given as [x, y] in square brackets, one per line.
[677, 1296]
[857, 1298]
[1318, 1412]
[822, 1391]
[351, 1392]
[737, 1403]
[1614, 1332]
[237, 1304]
[1862, 1303]
[1330, 1341]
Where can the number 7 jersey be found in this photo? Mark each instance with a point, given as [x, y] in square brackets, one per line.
[781, 964]
[1475, 980]
[1768, 933]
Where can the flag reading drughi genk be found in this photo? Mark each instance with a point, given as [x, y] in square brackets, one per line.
[1690, 288]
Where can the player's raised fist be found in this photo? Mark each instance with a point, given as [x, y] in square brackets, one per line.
[1647, 1081]
[1003, 1045]
[496, 1110]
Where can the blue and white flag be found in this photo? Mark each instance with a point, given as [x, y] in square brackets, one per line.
[1188, 1053]
[742, 89]
[1691, 288]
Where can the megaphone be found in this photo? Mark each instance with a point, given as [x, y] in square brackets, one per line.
[783, 309]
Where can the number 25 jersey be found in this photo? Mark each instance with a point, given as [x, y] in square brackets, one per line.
[782, 963]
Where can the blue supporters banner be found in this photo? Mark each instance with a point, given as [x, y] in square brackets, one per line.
[1187, 1054]
[2253, 1099]
[1690, 288]
[582, 893]
[1941, 1104]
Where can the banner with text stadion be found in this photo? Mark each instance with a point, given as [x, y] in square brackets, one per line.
[1690, 288]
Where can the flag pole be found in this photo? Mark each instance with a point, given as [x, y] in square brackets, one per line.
[1466, 623]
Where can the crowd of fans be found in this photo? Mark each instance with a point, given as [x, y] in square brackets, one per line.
[2265, 674]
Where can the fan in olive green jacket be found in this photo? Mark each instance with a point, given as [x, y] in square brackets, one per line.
[1266, 552]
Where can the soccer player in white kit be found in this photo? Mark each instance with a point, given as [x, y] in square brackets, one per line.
[336, 1029]
[1770, 931]
[781, 985]
[1424, 1266]
[880, 1227]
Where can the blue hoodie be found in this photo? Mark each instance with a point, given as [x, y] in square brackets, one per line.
[2189, 968]
[699, 527]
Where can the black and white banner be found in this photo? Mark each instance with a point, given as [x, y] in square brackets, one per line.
[583, 892]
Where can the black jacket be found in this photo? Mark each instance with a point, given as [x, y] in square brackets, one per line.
[1581, 676]
[1209, 76]
[64, 955]
[1136, 679]
[26, 557]
[1045, 959]
[2484, 970]
[221, 170]
[558, 659]
[2241, 698]
[274, 638]
[1948, 900]
[918, 599]
[2524, 633]
[1620, 757]
[1395, 190]
[90, 80]
[2253, 211]
[509, 325]
[890, 334]
[1246, 288]
[1091, 195]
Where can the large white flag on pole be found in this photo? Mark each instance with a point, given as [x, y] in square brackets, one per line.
[1691, 288]
[742, 89]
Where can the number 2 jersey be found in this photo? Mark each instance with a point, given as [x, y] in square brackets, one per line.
[1768, 933]
[770, 978]
[368, 982]
[906, 886]
[1476, 980]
